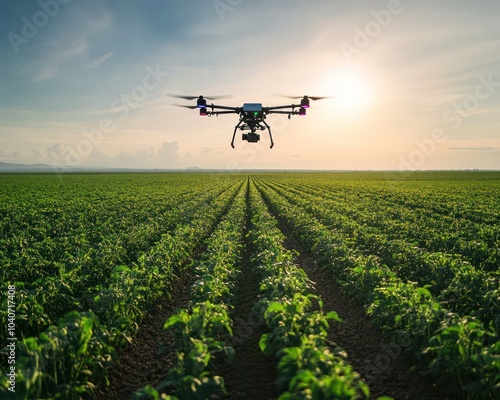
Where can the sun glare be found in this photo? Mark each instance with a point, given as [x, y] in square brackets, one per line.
[351, 90]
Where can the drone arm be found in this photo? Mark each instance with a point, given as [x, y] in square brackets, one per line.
[232, 109]
[223, 112]
[292, 106]
[270, 135]
[284, 112]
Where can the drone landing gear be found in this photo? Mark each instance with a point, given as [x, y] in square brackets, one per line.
[270, 136]
[234, 133]
[252, 137]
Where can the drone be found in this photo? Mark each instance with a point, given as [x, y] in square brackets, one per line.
[252, 115]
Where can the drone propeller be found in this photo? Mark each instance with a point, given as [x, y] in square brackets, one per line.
[182, 105]
[180, 96]
[307, 97]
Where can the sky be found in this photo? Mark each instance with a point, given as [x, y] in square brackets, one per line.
[413, 85]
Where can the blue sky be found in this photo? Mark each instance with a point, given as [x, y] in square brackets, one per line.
[83, 83]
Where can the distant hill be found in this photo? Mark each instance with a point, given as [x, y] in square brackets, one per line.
[12, 167]
[25, 167]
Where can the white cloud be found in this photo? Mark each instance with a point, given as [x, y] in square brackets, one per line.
[56, 150]
[52, 64]
[47, 73]
[480, 148]
[168, 150]
[10, 156]
[75, 48]
[96, 63]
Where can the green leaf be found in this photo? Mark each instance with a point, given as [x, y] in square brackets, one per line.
[333, 315]
[120, 268]
[266, 345]
[86, 335]
[275, 306]
[229, 351]
[358, 269]
[292, 309]
[172, 321]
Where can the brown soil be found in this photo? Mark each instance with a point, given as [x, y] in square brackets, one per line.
[140, 363]
[251, 375]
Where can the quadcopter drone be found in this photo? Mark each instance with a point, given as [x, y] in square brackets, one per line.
[252, 115]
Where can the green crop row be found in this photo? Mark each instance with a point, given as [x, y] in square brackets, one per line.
[199, 329]
[65, 360]
[473, 198]
[396, 213]
[435, 218]
[455, 283]
[307, 368]
[86, 214]
[459, 350]
[78, 266]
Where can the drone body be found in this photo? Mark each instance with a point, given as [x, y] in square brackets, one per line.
[252, 115]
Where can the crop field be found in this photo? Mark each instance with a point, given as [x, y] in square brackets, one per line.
[250, 285]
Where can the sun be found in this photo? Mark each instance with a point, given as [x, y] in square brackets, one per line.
[353, 93]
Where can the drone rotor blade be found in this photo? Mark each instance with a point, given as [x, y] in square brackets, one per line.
[226, 96]
[309, 97]
[320, 98]
[182, 105]
[289, 97]
[181, 96]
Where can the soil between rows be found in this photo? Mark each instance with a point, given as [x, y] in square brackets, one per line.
[251, 375]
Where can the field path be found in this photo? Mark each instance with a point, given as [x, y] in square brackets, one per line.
[251, 375]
